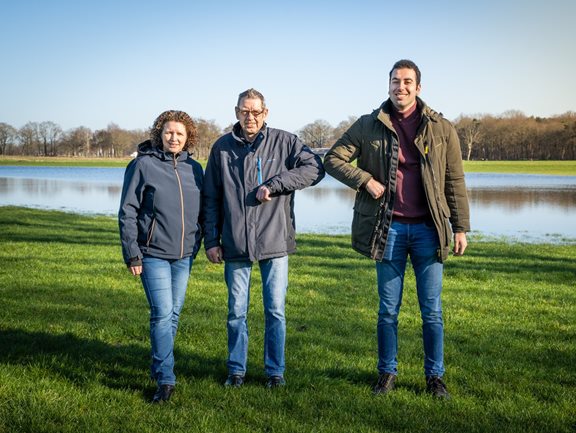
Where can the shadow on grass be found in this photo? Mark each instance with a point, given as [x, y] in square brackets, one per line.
[543, 352]
[32, 225]
[369, 379]
[82, 361]
[514, 260]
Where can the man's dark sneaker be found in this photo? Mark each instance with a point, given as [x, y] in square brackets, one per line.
[163, 393]
[275, 382]
[385, 383]
[234, 381]
[436, 386]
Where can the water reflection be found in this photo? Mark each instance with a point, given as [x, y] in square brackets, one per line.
[40, 187]
[81, 190]
[516, 199]
[532, 208]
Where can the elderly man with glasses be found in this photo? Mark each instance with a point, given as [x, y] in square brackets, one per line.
[249, 186]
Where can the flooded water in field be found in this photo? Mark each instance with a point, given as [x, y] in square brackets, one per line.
[530, 208]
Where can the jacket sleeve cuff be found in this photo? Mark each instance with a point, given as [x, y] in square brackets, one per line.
[210, 244]
[134, 261]
[272, 186]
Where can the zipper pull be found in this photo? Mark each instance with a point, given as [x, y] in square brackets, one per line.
[259, 170]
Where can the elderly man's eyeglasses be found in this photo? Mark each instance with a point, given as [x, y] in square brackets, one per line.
[254, 113]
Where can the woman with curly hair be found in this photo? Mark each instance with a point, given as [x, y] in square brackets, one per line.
[160, 231]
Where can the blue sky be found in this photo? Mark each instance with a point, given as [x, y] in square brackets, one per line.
[81, 63]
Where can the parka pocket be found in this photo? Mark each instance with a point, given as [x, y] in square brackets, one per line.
[364, 220]
[445, 235]
[365, 204]
[376, 144]
[150, 232]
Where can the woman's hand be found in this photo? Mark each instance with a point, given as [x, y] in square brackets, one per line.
[135, 270]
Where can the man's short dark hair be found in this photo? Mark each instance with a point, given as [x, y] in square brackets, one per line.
[406, 64]
[251, 94]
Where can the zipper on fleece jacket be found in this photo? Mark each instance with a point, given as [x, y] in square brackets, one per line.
[181, 206]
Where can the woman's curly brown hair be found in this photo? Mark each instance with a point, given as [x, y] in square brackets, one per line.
[174, 116]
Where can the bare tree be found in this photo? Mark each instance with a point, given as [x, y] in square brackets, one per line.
[8, 135]
[49, 133]
[117, 139]
[76, 142]
[228, 128]
[561, 139]
[470, 133]
[135, 137]
[116, 142]
[106, 141]
[514, 136]
[208, 133]
[342, 127]
[29, 137]
[101, 141]
[317, 134]
[511, 136]
[513, 114]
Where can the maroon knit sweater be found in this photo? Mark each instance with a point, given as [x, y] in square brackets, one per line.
[410, 205]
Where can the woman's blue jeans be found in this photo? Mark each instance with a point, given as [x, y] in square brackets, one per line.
[165, 283]
[420, 241]
[274, 286]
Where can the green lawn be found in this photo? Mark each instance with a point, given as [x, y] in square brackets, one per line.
[564, 168]
[560, 168]
[63, 161]
[75, 347]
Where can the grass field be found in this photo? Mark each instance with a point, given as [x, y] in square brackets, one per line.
[75, 350]
[560, 168]
[63, 161]
[564, 168]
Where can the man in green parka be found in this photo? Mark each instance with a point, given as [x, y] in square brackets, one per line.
[411, 197]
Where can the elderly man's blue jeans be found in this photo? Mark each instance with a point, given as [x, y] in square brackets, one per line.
[165, 283]
[274, 286]
[420, 241]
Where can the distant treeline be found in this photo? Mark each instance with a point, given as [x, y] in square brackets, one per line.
[511, 136]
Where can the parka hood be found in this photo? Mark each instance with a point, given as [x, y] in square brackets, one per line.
[146, 148]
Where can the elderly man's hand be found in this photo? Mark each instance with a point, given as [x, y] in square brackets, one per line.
[214, 254]
[263, 194]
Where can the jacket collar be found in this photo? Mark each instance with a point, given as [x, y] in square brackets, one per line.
[383, 112]
[238, 135]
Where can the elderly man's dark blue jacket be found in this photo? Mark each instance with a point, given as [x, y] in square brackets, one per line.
[233, 218]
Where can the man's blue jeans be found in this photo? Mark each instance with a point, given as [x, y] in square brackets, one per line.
[165, 283]
[274, 286]
[420, 241]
